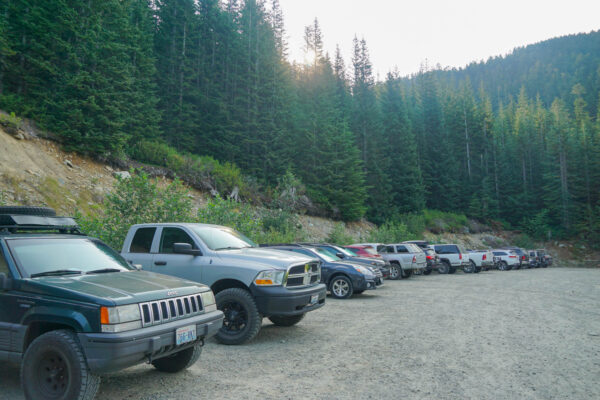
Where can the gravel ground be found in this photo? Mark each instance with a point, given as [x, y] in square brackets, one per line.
[532, 334]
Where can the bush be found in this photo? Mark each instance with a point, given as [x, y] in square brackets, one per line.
[440, 221]
[223, 177]
[225, 212]
[538, 226]
[391, 232]
[137, 200]
[339, 236]
[524, 241]
[11, 123]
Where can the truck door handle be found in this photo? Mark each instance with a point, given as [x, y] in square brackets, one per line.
[160, 263]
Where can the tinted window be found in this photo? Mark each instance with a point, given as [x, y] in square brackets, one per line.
[401, 249]
[142, 241]
[3, 264]
[446, 249]
[499, 253]
[170, 236]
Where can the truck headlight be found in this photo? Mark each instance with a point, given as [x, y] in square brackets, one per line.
[208, 301]
[270, 278]
[121, 318]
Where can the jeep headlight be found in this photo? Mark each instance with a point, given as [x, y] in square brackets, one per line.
[121, 318]
[208, 301]
[270, 278]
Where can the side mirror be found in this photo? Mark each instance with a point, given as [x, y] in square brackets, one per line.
[137, 266]
[340, 254]
[185, 248]
[5, 282]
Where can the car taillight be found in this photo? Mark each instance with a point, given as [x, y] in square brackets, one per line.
[414, 259]
[484, 257]
[513, 256]
[460, 256]
[523, 258]
[430, 257]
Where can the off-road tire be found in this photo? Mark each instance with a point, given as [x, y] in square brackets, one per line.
[395, 271]
[253, 319]
[48, 360]
[288, 320]
[27, 210]
[444, 267]
[179, 361]
[340, 279]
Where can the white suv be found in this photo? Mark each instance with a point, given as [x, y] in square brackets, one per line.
[507, 259]
[453, 256]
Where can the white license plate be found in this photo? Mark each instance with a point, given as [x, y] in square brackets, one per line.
[313, 299]
[185, 335]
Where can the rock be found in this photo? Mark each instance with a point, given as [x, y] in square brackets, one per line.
[122, 174]
[68, 163]
[108, 168]
[562, 245]
[19, 136]
[98, 194]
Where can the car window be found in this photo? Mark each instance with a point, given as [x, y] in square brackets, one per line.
[35, 256]
[401, 249]
[352, 251]
[499, 253]
[170, 236]
[3, 264]
[446, 249]
[386, 249]
[326, 255]
[142, 240]
[222, 238]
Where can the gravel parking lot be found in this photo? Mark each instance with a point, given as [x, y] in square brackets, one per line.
[532, 334]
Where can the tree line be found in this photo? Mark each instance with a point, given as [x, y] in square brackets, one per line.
[211, 77]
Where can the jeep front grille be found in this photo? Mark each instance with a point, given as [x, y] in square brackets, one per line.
[304, 274]
[161, 311]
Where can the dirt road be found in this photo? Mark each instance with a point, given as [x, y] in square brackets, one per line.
[532, 334]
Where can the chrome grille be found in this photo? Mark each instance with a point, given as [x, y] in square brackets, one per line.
[161, 311]
[304, 274]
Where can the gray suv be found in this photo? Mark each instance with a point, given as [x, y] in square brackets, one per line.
[249, 282]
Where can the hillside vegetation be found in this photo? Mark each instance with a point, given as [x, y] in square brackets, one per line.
[205, 90]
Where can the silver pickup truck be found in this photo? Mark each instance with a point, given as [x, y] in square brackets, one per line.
[249, 282]
[404, 259]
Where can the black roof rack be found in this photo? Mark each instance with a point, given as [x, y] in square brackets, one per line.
[13, 223]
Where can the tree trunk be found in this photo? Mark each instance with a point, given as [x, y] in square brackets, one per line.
[468, 144]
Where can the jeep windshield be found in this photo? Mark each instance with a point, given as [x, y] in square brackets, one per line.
[65, 256]
[222, 238]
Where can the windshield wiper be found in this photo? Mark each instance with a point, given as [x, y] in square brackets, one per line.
[104, 270]
[57, 272]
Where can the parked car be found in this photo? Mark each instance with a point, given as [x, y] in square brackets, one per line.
[534, 260]
[404, 259]
[506, 259]
[343, 278]
[523, 256]
[364, 251]
[249, 283]
[545, 258]
[452, 257]
[481, 259]
[433, 260]
[71, 308]
[379, 264]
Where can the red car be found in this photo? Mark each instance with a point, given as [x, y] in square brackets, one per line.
[363, 251]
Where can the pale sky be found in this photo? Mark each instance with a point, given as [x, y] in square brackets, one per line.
[451, 33]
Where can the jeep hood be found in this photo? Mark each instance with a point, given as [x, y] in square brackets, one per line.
[114, 288]
[263, 257]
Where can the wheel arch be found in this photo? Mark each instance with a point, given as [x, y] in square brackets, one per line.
[227, 283]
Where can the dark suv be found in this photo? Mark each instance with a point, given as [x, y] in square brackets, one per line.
[71, 308]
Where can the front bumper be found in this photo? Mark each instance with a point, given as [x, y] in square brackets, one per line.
[110, 352]
[279, 300]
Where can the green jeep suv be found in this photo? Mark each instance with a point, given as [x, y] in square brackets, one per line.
[71, 308]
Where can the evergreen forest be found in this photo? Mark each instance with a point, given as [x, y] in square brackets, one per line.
[208, 84]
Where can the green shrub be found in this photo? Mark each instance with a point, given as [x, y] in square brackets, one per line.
[525, 241]
[339, 236]
[538, 226]
[391, 232]
[441, 221]
[137, 200]
[11, 122]
[236, 215]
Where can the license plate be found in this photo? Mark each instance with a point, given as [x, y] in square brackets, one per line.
[313, 299]
[185, 335]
